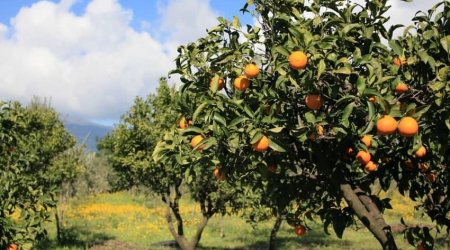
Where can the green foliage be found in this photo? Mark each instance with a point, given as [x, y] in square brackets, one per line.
[32, 138]
[130, 144]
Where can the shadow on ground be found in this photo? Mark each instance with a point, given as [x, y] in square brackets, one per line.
[75, 237]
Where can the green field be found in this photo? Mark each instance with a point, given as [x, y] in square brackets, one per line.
[125, 221]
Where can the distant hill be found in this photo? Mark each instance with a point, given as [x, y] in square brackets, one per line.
[88, 133]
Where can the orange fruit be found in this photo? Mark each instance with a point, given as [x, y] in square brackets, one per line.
[399, 60]
[401, 88]
[319, 129]
[12, 246]
[386, 125]
[349, 151]
[313, 101]
[408, 126]
[367, 140]
[370, 166]
[363, 157]
[372, 99]
[298, 60]
[261, 145]
[420, 246]
[196, 140]
[421, 152]
[431, 177]
[220, 83]
[423, 167]
[241, 83]
[300, 230]
[183, 123]
[272, 168]
[251, 70]
[409, 164]
[220, 176]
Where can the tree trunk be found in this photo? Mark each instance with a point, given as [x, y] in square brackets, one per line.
[369, 215]
[59, 217]
[273, 233]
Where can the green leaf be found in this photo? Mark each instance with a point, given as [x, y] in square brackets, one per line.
[276, 129]
[237, 121]
[321, 68]
[421, 111]
[220, 119]
[398, 50]
[347, 112]
[275, 145]
[310, 118]
[199, 110]
[192, 130]
[343, 70]
[445, 42]
[282, 50]
[361, 85]
[371, 119]
[256, 137]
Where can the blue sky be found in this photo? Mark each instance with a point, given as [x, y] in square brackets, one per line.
[91, 58]
[143, 10]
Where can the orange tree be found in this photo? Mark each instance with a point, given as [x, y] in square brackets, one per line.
[314, 89]
[32, 137]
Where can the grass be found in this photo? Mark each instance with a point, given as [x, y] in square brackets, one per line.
[123, 221]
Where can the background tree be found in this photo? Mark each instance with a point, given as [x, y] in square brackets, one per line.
[32, 137]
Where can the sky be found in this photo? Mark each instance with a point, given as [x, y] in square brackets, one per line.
[91, 58]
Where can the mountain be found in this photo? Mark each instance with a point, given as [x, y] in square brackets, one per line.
[88, 133]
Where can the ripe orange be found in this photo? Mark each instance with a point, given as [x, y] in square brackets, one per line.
[196, 140]
[363, 157]
[183, 123]
[424, 167]
[319, 129]
[251, 70]
[298, 60]
[370, 166]
[241, 83]
[272, 168]
[431, 177]
[420, 246]
[300, 230]
[408, 126]
[349, 151]
[220, 84]
[220, 175]
[372, 99]
[367, 140]
[386, 125]
[313, 101]
[421, 152]
[12, 246]
[401, 88]
[399, 60]
[261, 145]
[409, 164]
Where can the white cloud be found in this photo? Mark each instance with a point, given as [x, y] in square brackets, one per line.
[403, 12]
[91, 66]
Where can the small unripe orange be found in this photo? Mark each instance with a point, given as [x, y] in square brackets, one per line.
[421, 152]
[370, 166]
[261, 145]
[401, 88]
[386, 125]
[241, 83]
[363, 157]
[408, 127]
[251, 70]
[196, 140]
[298, 60]
[367, 140]
[300, 230]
